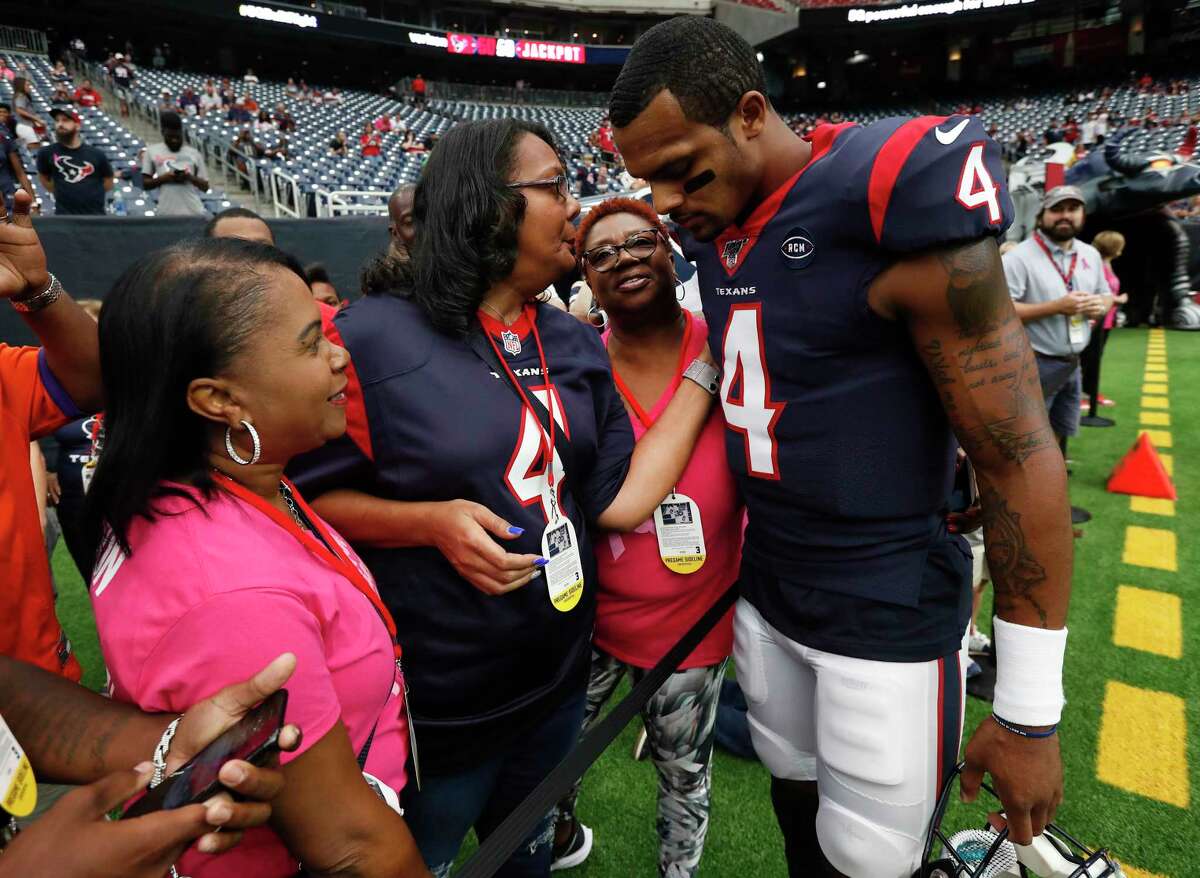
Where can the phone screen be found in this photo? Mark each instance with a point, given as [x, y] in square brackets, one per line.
[254, 735]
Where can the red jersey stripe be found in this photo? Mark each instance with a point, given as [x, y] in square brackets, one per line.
[890, 162]
[357, 427]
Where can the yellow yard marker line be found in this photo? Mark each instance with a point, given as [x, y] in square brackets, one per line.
[1131, 872]
[1160, 438]
[1155, 419]
[1155, 402]
[1142, 746]
[1151, 621]
[1168, 462]
[1152, 506]
[1154, 388]
[1150, 547]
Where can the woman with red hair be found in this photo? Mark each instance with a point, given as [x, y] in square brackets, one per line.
[657, 580]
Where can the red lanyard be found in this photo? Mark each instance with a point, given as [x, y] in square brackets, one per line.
[643, 415]
[531, 315]
[1068, 277]
[325, 551]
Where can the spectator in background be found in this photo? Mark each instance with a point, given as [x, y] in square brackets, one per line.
[123, 78]
[418, 89]
[1110, 245]
[604, 139]
[1053, 132]
[158, 61]
[210, 100]
[189, 101]
[77, 448]
[12, 168]
[284, 120]
[1087, 131]
[6, 72]
[322, 287]
[278, 151]
[250, 78]
[28, 124]
[239, 113]
[383, 124]
[291, 88]
[87, 96]
[338, 145]
[240, 222]
[40, 391]
[585, 178]
[264, 122]
[410, 142]
[167, 103]
[62, 95]
[383, 273]
[369, 142]
[1057, 284]
[77, 174]
[249, 103]
[59, 73]
[176, 170]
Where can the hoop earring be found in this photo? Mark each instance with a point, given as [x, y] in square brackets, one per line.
[596, 317]
[681, 291]
[232, 452]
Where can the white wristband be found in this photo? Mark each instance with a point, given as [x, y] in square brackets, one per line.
[1029, 668]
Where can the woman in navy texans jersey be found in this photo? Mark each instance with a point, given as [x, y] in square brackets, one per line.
[478, 414]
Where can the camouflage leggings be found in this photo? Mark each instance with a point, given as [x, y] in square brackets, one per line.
[679, 720]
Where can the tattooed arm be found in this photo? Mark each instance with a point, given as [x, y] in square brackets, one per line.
[958, 310]
[956, 304]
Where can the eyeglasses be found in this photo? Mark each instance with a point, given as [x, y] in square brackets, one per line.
[640, 245]
[558, 183]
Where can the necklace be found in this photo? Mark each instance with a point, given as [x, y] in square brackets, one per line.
[499, 316]
[286, 493]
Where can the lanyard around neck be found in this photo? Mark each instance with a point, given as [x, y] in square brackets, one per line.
[1068, 276]
[325, 551]
[642, 415]
[547, 442]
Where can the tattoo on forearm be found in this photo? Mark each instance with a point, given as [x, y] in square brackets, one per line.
[1016, 574]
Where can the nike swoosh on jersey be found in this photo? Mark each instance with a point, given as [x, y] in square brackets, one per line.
[945, 138]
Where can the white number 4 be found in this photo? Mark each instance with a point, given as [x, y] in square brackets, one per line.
[746, 391]
[976, 187]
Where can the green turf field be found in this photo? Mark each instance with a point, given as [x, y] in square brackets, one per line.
[1143, 693]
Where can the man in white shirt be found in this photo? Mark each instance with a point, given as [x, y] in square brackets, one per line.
[210, 100]
[176, 170]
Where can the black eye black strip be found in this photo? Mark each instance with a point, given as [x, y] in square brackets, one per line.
[699, 181]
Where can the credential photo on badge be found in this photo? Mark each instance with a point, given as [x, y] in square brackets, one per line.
[677, 513]
[558, 540]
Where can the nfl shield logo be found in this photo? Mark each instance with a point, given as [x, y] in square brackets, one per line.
[512, 342]
[731, 251]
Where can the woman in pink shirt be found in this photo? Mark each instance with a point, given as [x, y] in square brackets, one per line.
[216, 373]
[1110, 246]
[643, 605]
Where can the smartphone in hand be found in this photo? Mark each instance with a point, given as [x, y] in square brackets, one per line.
[253, 740]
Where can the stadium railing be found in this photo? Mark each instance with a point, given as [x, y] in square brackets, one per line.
[287, 196]
[22, 39]
[350, 202]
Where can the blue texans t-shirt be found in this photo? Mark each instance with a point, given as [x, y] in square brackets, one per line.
[837, 437]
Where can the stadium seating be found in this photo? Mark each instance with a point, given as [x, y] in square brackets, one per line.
[99, 130]
[313, 181]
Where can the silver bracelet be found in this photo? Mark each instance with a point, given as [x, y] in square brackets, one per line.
[708, 377]
[160, 752]
[38, 301]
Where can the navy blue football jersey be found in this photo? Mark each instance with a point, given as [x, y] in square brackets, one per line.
[837, 437]
[428, 420]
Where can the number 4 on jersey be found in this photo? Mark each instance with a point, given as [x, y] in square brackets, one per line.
[976, 187]
[746, 390]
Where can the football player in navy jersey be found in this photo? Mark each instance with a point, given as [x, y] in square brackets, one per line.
[853, 290]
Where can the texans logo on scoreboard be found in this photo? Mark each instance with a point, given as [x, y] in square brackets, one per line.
[512, 342]
[731, 252]
[797, 249]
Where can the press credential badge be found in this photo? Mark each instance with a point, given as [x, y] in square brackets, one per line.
[680, 533]
[18, 789]
[564, 570]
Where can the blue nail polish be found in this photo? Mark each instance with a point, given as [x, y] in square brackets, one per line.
[540, 562]
[516, 531]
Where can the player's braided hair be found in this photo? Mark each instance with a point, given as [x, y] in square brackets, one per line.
[703, 63]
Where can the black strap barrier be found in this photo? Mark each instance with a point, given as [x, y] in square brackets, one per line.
[498, 847]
